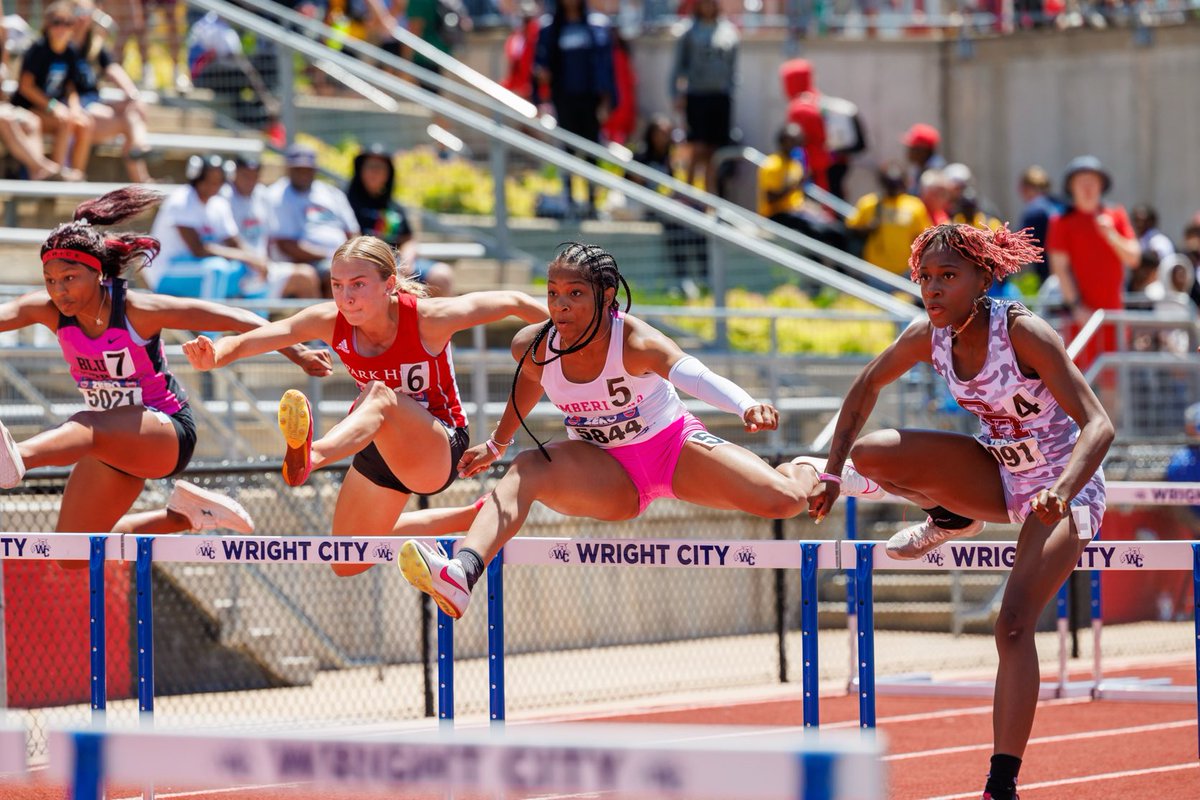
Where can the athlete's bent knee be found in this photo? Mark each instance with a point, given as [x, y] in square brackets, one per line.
[778, 505]
[378, 393]
[1012, 626]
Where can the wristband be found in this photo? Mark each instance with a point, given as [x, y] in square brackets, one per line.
[494, 447]
[53, 104]
[825, 477]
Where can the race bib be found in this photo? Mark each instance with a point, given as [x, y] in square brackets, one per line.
[107, 395]
[1015, 456]
[705, 439]
[615, 429]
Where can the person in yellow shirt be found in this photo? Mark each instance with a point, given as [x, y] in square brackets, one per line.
[890, 220]
[781, 190]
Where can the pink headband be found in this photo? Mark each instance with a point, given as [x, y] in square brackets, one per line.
[86, 259]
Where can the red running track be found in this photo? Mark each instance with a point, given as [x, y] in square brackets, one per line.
[938, 747]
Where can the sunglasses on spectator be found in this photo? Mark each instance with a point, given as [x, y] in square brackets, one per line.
[60, 22]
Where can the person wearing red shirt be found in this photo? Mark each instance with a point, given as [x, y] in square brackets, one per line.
[1090, 246]
[519, 50]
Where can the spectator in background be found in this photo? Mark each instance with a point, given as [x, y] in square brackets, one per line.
[781, 190]
[967, 211]
[126, 118]
[49, 87]
[891, 221]
[702, 82]
[519, 50]
[201, 254]
[312, 219]
[218, 62]
[1191, 242]
[371, 196]
[684, 246]
[1184, 467]
[935, 194]
[921, 145]
[1145, 224]
[622, 119]
[440, 24]
[1039, 207]
[1089, 247]
[842, 131]
[132, 17]
[247, 200]
[804, 112]
[574, 58]
[21, 132]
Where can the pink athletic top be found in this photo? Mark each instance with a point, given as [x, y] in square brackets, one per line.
[119, 368]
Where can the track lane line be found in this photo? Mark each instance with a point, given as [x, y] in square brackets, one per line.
[1082, 779]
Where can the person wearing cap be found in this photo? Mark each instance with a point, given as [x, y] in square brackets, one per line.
[370, 194]
[247, 199]
[311, 218]
[1090, 246]
[921, 145]
[1039, 208]
[891, 221]
[202, 255]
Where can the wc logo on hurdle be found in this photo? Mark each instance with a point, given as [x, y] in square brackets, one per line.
[384, 551]
[207, 549]
[1133, 557]
[41, 547]
[560, 553]
[934, 557]
[745, 555]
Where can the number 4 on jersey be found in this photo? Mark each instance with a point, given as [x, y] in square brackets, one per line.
[1024, 406]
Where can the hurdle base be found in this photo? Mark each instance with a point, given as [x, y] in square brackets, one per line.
[924, 685]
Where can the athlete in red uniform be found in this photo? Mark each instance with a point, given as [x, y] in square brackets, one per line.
[406, 430]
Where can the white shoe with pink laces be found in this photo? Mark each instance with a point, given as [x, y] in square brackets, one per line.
[854, 483]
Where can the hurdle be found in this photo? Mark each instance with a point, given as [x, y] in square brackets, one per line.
[868, 557]
[14, 761]
[614, 760]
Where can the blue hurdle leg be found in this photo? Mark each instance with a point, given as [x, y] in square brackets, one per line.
[87, 780]
[145, 624]
[495, 585]
[851, 602]
[96, 610]
[445, 645]
[1196, 617]
[863, 569]
[808, 635]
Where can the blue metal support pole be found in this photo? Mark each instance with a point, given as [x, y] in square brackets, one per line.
[495, 579]
[87, 779]
[145, 623]
[864, 567]
[816, 776]
[445, 644]
[1196, 617]
[96, 614]
[851, 601]
[809, 628]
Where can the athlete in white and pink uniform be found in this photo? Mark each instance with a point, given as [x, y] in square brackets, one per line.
[1036, 461]
[629, 438]
[137, 424]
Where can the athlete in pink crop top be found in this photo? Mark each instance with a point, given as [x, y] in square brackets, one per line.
[1036, 461]
[630, 439]
[136, 424]
[406, 430]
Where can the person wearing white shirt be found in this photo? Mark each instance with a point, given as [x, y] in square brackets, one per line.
[201, 253]
[310, 219]
[248, 202]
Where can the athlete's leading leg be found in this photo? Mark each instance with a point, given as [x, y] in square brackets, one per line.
[1045, 557]
[130, 439]
[605, 493]
[95, 497]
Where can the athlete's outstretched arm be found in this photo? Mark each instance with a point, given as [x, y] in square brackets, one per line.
[442, 317]
[27, 310]
[528, 392]
[314, 322]
[1039, 347]
[913, 347]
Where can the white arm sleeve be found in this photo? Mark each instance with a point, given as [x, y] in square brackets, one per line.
[702, 383]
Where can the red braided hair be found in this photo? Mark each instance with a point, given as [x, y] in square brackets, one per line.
[1001, 252]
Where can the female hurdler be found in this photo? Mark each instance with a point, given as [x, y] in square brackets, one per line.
[1036, 461]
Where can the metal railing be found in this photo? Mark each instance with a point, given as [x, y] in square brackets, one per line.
[499, 103]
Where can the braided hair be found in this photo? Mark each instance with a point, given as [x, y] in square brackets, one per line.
[601, 269]
[1001, 252]
[115, 252]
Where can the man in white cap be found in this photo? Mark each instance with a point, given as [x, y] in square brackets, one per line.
[310, 218]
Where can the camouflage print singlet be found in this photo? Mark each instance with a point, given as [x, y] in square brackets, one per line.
[1021, 424]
